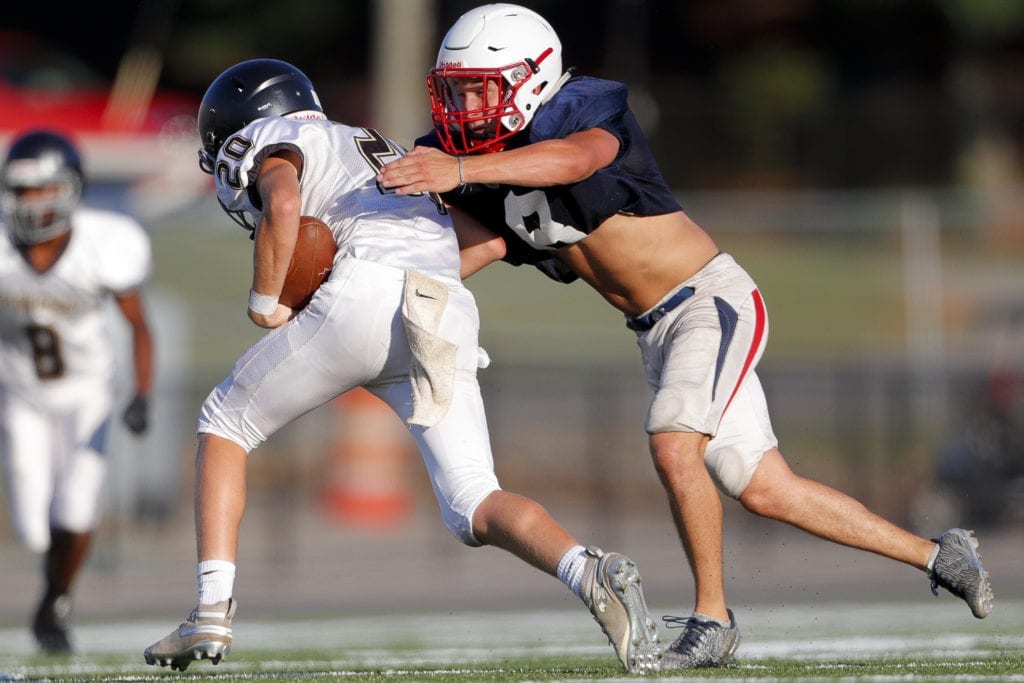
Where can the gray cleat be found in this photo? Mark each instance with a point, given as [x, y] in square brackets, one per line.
[957, 568]
[206, 634]
[704, 642]
[611, 590]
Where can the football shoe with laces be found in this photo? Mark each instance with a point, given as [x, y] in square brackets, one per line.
[957, 568]
[704, 642]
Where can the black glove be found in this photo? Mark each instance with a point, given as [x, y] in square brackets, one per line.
[136, 415]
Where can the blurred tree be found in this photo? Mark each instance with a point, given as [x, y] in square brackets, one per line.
[821, 92]
[985, 19]
[326, 39]
[986, 91]
[774, 91]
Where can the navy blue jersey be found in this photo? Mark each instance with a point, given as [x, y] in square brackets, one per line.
[537, 220]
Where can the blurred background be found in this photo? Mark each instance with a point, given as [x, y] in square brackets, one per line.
[863, 159]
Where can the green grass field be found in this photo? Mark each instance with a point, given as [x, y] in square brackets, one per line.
[318, 666]
[828, 641]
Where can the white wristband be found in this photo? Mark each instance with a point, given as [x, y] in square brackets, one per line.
[264, 304]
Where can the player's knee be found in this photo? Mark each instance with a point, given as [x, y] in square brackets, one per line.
[731, 470]
[768, 492]
[227, 424]
[459, 509]
[674, 458]
[506, 515]
[35, 540]
[757, 500]
[461, 527]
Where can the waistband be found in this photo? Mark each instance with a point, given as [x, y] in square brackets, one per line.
[642, 323]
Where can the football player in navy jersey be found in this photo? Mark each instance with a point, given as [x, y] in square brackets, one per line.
[393, 317]
[555, 171]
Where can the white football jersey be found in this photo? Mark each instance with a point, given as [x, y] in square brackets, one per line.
[53, 325]
[338, 186]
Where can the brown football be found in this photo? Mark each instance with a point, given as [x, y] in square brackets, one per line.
[311, 262]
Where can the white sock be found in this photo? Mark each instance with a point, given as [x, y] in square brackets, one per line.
[216, 580]
[570, 568]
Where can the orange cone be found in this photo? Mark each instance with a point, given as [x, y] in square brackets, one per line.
[367, 481]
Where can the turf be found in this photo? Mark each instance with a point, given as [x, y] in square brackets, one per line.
[930, 641]
[321, 666]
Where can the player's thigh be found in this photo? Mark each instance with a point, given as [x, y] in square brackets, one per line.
[744, 436]
[27, 436]
[77, 495]
[340, 341]
[698, 361]
[459, 325]
[456, 451]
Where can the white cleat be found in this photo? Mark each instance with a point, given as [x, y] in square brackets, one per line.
[612, 592]
[206, 634]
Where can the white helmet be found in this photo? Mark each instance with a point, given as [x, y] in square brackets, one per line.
[503, 43]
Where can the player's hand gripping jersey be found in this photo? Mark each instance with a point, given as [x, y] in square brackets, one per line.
[536, 221]
[52, 324]
[368, 223]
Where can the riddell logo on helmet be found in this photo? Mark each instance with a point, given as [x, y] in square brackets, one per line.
[451, 65]
[307, 114]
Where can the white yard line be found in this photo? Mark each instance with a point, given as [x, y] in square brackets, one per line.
[826, 632]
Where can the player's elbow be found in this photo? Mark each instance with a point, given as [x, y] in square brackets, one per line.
[492, 250]
[282, 205]
[575, 168]
[474, 258]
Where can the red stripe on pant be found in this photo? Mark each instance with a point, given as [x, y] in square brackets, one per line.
[760, 320]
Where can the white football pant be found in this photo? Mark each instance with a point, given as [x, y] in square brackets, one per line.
[351, 334]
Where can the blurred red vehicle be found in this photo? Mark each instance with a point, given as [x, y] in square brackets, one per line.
[43, 86]
[138, 142]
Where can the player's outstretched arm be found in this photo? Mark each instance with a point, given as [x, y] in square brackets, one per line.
[542, 164]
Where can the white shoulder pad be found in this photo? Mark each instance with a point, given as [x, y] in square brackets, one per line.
[120, 246]
[242, 156]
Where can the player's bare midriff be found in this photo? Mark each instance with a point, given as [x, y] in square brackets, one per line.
[633, 261]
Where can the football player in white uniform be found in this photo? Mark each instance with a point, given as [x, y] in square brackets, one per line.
[392, 317]
[60, 265]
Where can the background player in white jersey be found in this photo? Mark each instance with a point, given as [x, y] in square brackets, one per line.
[60, 265]
[557, 171]
[393, 317]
